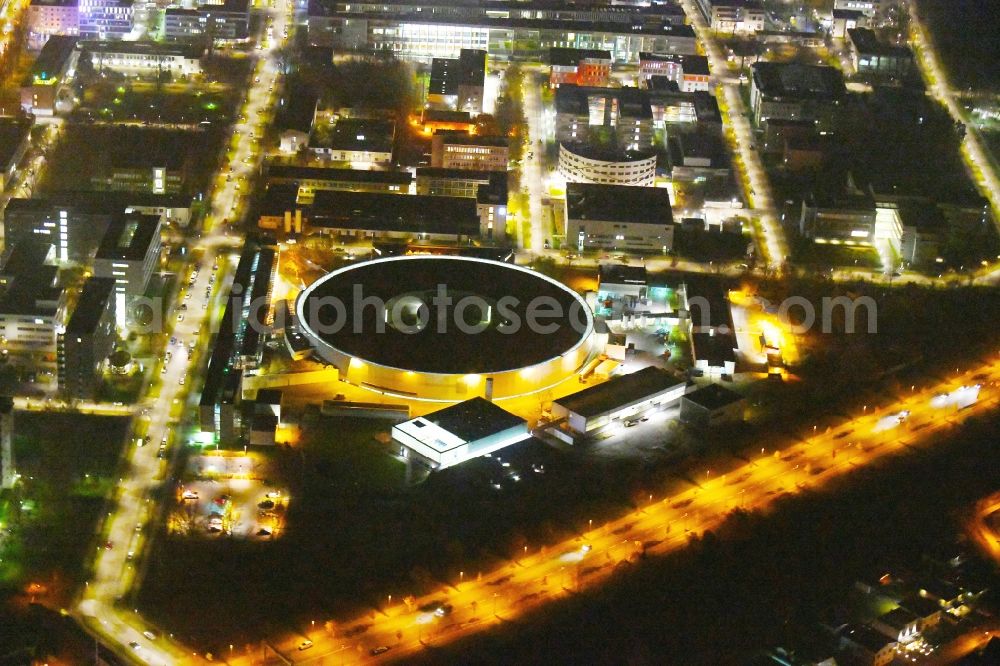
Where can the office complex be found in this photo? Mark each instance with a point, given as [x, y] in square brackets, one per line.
[88, 339]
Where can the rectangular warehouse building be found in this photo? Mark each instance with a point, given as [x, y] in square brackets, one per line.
[617, 400]
[458, 433]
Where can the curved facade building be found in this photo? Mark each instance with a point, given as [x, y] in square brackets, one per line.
[580, 164]
[447, 328]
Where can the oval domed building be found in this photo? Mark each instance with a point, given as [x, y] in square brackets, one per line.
[447, 328]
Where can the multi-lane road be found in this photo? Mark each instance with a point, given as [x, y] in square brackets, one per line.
[771, 239]
[665, 523]
[114, 572]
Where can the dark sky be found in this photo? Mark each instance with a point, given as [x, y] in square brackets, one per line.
[967, 33]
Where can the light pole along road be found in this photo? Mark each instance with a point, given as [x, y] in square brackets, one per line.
[977, 159]
[113, 573]
[771, 237]
[663, 524]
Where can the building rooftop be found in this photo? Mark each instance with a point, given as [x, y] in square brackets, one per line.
[444, 77]
[144, 48]
[52, 59]
[361, 134]
[379, 211]
[268, 396]
[618, 203]
[465, 139]
[713, 396]
[605, 154]
[13, 134]
[446, 116]
[282, 172]
[91, 305]
[924, 217]
[129, 237]
[865, 42]
[716, 349]
[326, 7]
[898, 618]
[457, 174]
[29, 282]
[698, 147]
[471, 67]
[473, 419]
[620, 391]
[495, 191]
[921, 606]
[866, 637]
[847, 14]
[99, 202]
[622, 274]
[691, 64]
[798, 81]
[658, 24]
[564, 57]
[632, 102]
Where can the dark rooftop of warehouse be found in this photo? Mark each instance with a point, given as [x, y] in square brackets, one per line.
[383, 211]
[619, 392]
[713, 396]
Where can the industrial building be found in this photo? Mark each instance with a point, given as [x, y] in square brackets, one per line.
[712, 405]
[452, 435]
[618, 400]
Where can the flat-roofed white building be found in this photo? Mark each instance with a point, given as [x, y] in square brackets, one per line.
[458, 433]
